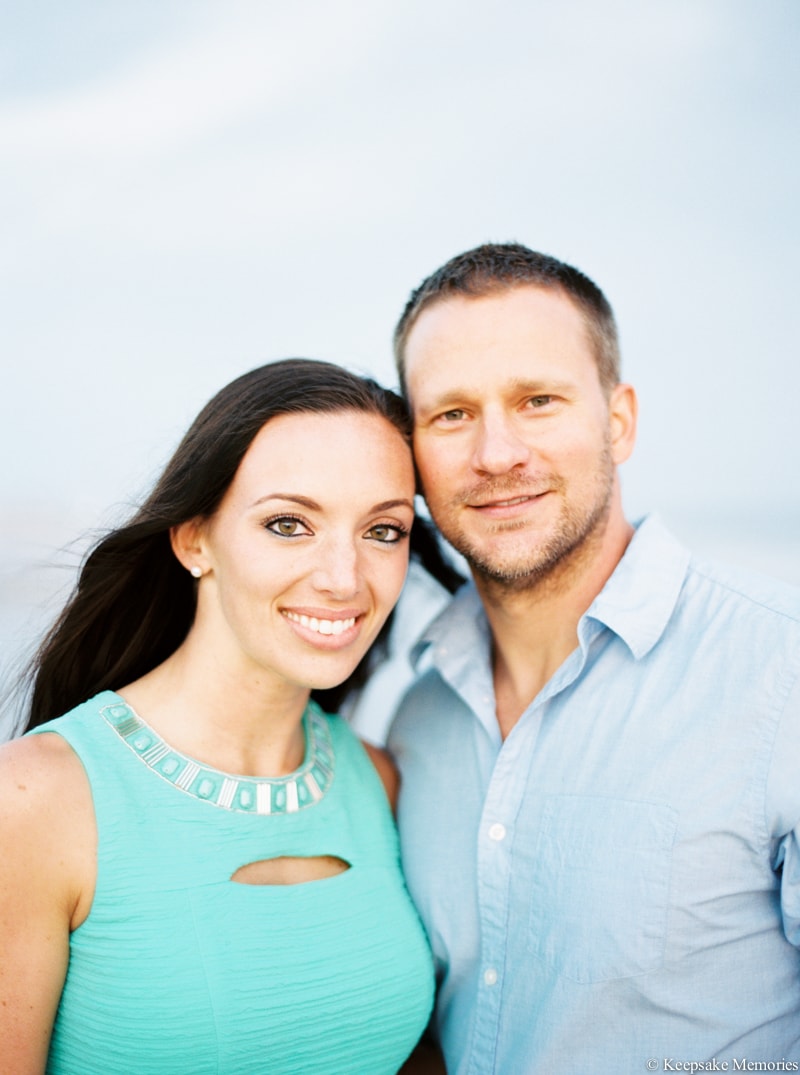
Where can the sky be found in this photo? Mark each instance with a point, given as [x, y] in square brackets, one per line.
[192, 188]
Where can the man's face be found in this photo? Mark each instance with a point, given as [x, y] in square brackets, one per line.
[515, 440]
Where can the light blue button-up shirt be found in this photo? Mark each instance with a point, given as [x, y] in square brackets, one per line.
[616, 887]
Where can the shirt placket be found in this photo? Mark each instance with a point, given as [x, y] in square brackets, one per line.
[494, 854]
[502, 805]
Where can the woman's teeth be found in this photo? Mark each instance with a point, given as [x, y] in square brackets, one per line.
[323, 627]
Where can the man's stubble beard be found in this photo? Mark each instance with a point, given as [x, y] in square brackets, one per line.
[552, 562]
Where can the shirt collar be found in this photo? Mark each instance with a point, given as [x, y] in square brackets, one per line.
[639, 598]
[463, 617]
[636, 602]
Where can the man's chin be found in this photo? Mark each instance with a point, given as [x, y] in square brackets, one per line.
[548, 564]
[511, 577]
[516, 568]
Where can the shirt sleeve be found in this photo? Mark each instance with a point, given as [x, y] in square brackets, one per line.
[783, 809]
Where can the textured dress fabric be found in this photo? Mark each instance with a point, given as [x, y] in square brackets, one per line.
[178, 968]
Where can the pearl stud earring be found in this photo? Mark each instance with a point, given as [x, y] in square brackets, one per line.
[196, 572]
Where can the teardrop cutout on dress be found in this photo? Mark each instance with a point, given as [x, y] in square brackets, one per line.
[290, 870]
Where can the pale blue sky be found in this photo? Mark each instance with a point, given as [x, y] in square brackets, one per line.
[191, 188]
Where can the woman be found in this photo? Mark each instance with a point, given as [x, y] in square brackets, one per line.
[200, 870]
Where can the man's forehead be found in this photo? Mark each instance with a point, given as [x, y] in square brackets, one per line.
[525, 304]
[519, 319]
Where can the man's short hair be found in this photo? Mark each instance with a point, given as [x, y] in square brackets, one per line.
[495, 267]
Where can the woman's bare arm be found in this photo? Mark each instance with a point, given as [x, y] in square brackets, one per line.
[47, 869]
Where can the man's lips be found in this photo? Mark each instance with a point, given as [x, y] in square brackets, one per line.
[508, 502]
[499, 504]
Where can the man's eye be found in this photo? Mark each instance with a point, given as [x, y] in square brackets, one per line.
[539, 401]
[287, 526]
[387, 534]
[452, 416]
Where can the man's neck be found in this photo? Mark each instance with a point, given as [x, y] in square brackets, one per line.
[535, 629]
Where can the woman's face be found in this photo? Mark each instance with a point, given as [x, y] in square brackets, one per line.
[307, 553]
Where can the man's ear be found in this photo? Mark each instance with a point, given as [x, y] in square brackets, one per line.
[623, 409]
[188, 543]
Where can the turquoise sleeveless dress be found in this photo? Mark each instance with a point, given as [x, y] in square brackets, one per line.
[178, 969]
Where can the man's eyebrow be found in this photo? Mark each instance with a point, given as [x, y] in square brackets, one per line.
[456, 396]
[453, 396]
[539, 387]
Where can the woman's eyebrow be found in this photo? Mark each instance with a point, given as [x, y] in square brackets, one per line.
[293, 498]
[312, 505]
[387, 505]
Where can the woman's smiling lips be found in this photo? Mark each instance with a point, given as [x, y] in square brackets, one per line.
[322, 626]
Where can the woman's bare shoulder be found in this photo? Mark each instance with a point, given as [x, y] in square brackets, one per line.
[38, 763]
[47, 826]
[48, 851]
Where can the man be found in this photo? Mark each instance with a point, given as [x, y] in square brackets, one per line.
[600, 813]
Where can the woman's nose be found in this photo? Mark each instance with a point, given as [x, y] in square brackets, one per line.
[338, 572]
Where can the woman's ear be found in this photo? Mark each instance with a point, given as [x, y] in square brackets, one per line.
[188, 543]
[622, 411]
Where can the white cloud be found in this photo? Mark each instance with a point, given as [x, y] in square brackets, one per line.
[251, 59]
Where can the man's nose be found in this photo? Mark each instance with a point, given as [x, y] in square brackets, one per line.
[499, 446]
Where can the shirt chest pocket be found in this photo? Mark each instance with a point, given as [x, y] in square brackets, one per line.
[600, 891]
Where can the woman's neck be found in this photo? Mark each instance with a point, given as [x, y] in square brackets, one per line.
[233, 722]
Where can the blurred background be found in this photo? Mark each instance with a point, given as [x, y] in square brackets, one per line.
[191, 188]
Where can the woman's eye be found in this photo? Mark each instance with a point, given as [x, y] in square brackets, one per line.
[388, 535]
[287, 526]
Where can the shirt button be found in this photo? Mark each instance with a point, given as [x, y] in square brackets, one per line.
[497, 831]
[490, 976]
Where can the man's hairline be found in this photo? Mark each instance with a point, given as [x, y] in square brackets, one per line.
[496, 287]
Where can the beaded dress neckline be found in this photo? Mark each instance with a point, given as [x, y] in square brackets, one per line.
[241, 794]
